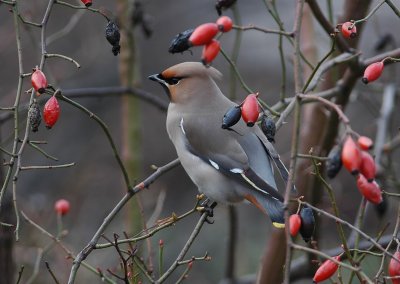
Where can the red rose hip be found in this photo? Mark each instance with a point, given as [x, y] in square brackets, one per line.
[351, 156]
[365, 143]
[294, 224]
[367, 167]
[62, 206]
[250, 110]
[224, 24]
[349, 30]
[394, 268]
[370, 190]
[87, 3]
[326, 270]
[39, 81]
[203, 34]
[210, 51]
[373, 72]
[51, 112]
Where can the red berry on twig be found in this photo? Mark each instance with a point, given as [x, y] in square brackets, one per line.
[210, 51]
[87, 3]
[373, 72]
[224, 24]
[349, 30]
[250, 110]
[203, 34]
[365, 143]
[394, 267]
[39, 81]
[51, 112]
[294, 224]
[326, 270]
[367, 168]
[62, 206]
[351, 156]
[370, 190]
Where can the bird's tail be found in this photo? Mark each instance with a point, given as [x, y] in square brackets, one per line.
[269, 205]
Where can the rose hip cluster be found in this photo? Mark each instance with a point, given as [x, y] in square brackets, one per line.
[249, 111]
[51, 110]
[203, 35]
[358, 161]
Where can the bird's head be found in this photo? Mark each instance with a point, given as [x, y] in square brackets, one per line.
[187, 81]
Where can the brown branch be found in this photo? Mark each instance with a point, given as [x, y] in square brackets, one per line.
[117, 91]
[326, 25]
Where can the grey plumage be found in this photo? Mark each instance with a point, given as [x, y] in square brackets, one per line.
[226, 165]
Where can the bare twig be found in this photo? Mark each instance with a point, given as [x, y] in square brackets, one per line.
[132, 191]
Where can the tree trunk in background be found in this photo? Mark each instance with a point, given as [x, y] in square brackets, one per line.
[7, 267]
[130, 76]
[319, 130]
[6, 242]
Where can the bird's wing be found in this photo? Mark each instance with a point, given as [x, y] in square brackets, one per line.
[238, 154]
[275, 157]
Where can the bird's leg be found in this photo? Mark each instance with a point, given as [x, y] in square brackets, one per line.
[207, 208]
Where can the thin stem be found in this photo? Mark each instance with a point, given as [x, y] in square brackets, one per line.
[264, 30]
[104, 127]
[51, 273]
[47, 167]
[370, 13]
[132, 191]
[49, 55]
[314, 71]
[33, 145]
[393, 7]
[186, 247]
[98, 11]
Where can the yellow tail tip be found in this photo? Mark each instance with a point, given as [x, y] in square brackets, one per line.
[278, 225]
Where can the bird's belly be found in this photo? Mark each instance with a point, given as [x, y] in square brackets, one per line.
[209, 181]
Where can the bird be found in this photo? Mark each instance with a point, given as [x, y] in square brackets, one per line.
[227, 165]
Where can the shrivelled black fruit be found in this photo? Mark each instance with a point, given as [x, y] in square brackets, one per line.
[307, 223]
[180, 42]
[268, 127]
[231, 117]
[113, 36]
[382, 207]
[334, 162]
[35, 117]
[223, 5]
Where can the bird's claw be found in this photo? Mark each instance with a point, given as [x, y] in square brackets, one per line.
[208, 209]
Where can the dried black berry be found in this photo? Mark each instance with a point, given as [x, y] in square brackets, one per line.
[35, 117]
[223, 5]
[307, 223]
[382, 207]
[334, 162]
[113, 36]
[268, 127]
[231, 117]
[180, 42]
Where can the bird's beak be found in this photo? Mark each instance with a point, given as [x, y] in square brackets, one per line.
[157, 78]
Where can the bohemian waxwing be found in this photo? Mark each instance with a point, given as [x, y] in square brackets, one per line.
[227, 165]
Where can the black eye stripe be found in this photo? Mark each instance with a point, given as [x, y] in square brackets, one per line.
[173, 80]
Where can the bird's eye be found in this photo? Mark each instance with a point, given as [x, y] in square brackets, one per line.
[173, 80]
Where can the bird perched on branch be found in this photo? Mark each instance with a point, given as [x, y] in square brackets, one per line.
[227, 165]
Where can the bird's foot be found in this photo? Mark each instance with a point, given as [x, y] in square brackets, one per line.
[207, 208]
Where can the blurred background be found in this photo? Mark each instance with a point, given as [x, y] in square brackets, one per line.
[94, 185]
